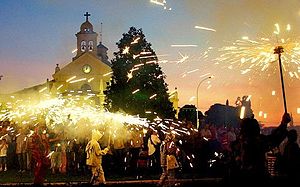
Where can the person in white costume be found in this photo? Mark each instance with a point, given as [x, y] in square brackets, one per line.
[94, 158]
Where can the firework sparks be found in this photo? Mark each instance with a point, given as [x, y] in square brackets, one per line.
[162, 3]
[126, 50]
[248, 55]
[135, 91]
[205, 28]
[74, 51]
[183, 58]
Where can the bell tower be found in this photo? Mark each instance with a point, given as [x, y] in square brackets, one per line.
[86, 38]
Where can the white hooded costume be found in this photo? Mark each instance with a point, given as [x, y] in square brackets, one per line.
[94, 158]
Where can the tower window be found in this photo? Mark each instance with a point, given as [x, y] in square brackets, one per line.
[83, 46]
[91, 45]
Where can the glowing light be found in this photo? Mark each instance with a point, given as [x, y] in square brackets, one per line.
[135, 91]
[154, 95]
[183, 58]
[106, 74]
[273, 92]
[126, 50]
[49, 155]
[71, 79]
[129, 75]
[265, 115]
[75, 50]
[135, 56]
[191, 165]
[135, 40]
[242, 114]
[157, 2]
[298, 110]
[205, 28]
[260, 113]
[249, 97]
[78, 80]
[89, 80]
[43, 89]
[59, 87]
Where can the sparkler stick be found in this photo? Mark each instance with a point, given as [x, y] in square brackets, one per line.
[278, 50]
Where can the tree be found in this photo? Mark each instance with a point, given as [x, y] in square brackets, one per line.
[189, 113]
[137, 85]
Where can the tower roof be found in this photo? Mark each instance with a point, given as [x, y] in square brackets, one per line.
[86, 27]
[100, 45]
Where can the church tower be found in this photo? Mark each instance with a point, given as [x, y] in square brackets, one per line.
[86, 38]
[88, 72]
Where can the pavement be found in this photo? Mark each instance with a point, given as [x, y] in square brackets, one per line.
[144, 183]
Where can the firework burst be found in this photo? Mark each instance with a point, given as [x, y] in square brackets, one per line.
[257, 55]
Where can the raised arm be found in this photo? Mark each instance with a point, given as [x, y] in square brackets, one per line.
[278, 135]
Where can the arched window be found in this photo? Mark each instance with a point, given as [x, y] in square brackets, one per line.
[83, 45]
[91, 45]
[85, 87]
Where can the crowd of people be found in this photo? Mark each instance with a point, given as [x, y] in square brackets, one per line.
[211, 150]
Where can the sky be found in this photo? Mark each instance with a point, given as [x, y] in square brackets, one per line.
[37, 34]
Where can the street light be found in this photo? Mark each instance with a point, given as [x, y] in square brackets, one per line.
[197, 98]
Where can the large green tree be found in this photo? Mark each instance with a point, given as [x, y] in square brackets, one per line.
[137, 85]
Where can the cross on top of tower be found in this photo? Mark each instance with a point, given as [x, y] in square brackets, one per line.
[87, 16]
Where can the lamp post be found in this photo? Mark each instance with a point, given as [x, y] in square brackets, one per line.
[278, 50]
[197, 98]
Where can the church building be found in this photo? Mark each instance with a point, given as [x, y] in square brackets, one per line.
[86, 76]
[89, 70]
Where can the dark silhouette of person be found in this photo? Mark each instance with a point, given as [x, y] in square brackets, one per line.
[291, 156]
[251, 148]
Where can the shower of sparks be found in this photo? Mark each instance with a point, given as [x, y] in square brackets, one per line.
[251, 55]
[205, 28]
[77, 118]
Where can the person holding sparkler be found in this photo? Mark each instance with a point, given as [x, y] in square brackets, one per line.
[250, 154]
[94, 158]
